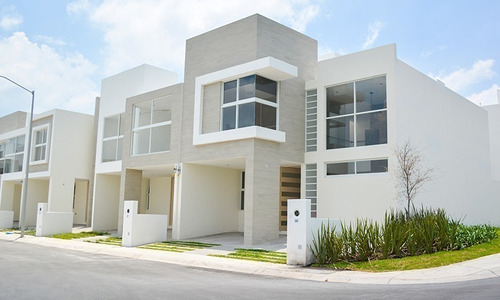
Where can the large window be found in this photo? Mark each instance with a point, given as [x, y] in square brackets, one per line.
[151, 126]
[357, 167]
[11, 155]
[112, 139]
[249, 101]
[356, 114]
[39, 145]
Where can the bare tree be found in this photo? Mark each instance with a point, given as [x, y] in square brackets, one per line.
[410, 175]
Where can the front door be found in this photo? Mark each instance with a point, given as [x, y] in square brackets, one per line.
[289, 189]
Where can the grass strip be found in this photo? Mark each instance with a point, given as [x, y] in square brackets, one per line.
[256, 255]
[178, 246]
[108, 241]
[79, 235]
[425, 261]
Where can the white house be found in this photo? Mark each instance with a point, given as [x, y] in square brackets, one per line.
[61, 166]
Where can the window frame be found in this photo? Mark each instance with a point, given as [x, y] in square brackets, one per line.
[355, 114]
[355, 167]
[34, 145]
[11, 157]
[117, 138]
[237, 103]
[136, 129]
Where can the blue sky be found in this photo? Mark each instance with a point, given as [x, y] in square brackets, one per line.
[63, 49]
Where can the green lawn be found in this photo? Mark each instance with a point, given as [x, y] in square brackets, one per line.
[425, 261]
[108, 241]
[177, 246]
[79, 235]
[256, 255]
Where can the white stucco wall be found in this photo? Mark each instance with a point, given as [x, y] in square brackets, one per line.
[106, 199]
[351, 196]
[494, 126]
[71, 156]
[452, 134]
[209, 200]
[38, 191]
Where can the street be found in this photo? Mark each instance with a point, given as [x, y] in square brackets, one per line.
[30, 271]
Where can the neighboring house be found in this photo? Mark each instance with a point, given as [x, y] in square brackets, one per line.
[63, 147]
[258, 120]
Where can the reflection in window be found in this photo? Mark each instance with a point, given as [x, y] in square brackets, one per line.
[151, 126]
[40, 145]
[357, 114]
[12, 154]
[249, 101]
[112, 139]
[357, 167]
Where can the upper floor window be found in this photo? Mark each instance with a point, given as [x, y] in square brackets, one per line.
[356, 114]
[357, 167]
[151, 126]
[250, 101]
[40, 145]
[11, 155]
[112, 139]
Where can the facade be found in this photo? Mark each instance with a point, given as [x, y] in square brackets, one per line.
[61, 166]
[257, 121]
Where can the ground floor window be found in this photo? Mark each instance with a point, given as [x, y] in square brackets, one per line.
[357, 167]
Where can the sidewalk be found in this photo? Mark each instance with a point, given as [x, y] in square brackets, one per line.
[481, 268]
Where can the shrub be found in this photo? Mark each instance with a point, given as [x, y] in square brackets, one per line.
[424, 231]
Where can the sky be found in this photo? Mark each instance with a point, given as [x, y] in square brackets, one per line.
[63, 49]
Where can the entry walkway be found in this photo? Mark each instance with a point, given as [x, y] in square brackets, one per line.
[482, 268]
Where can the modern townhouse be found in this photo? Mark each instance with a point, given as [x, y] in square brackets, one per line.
[61, 166]
[258, 120]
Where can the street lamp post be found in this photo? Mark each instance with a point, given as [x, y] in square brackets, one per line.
[22, 216]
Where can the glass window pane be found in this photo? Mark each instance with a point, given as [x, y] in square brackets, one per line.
[142, 114]
[371, 166]
[161, 110]
[340, 132]
[109, 150]
[141, 141]
[371, 94]
[2, 166]
[229, 91]
[41, 137]
[247, 87]
[265, 116]
[340, 100]
[9, 147]
[8, 165]
[229, 118]
[371, 129]
[246, 115]
[266, 89]
[20, 144]
[39, 153]
[111, 126]
[160, 138]
[18, 163]
[2, 151]
[119, 148]
[340, 168]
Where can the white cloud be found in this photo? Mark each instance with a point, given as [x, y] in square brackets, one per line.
[154, 31]
[486, 97]
[9, 18]
[461, 79]
[373, 32]
[59, 80]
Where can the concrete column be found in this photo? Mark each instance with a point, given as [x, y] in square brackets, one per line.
[130, 189]
[262, 195]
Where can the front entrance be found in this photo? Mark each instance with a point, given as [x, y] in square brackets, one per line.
[289, 189]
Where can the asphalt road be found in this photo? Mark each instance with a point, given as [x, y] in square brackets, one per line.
[36, 272]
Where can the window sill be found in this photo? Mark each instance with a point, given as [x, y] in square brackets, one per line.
[240, 134]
